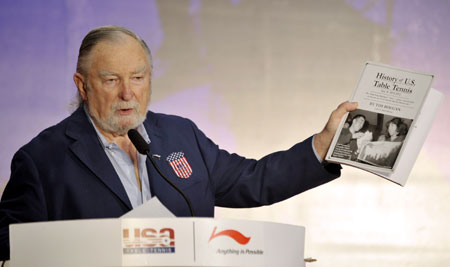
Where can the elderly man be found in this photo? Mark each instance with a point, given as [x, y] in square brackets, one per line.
[87, 167]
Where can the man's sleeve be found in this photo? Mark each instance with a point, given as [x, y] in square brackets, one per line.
[22, 200]
[240, 182]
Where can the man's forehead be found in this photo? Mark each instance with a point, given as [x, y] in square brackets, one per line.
[112, 58]
[124, 45]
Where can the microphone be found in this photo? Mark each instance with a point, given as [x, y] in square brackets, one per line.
[142, 147]
[138, 142]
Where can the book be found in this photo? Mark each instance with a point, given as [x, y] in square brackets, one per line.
[384, 135]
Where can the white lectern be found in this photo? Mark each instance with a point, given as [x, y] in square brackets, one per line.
[156, 242]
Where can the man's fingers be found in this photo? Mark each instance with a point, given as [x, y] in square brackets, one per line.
[337, 115]
[323, 139]
[345, 107]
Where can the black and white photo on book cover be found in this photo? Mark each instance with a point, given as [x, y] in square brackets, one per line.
[372, 138]
[389, 102]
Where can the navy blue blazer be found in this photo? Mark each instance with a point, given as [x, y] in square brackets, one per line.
[63, 174]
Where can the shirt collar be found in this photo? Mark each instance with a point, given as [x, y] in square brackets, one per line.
[105, 144]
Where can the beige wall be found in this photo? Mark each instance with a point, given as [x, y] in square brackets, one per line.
[259, 76]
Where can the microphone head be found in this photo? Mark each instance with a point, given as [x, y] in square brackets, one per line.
[138, 142]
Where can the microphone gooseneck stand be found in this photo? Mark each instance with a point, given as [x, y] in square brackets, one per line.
[142, 148]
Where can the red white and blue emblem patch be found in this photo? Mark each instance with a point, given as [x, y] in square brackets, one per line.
[179, 164]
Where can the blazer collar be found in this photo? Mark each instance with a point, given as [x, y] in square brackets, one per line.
[88, 149]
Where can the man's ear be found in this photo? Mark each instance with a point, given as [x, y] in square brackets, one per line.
[81, 85]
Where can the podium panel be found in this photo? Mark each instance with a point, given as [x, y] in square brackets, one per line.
[156, 242]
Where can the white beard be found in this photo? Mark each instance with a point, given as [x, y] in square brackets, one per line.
[116, 124]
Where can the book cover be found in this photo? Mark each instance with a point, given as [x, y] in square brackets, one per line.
[374, 137]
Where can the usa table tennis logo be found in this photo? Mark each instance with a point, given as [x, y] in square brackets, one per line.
[148, 240]
[233, 234]
[180, 164]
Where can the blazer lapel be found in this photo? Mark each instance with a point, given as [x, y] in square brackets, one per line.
[88, 149]
[158, 148]
[155, 151]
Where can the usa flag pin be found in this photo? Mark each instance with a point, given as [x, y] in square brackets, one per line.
[179, 164]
